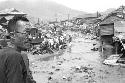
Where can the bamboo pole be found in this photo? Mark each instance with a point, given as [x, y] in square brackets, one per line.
[116, 48]
[102, 48]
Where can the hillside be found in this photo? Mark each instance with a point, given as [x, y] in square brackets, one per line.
[46, 10]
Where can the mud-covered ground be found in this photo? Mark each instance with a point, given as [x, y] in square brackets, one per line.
[77, 64]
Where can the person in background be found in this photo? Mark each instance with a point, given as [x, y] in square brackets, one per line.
[14, 66]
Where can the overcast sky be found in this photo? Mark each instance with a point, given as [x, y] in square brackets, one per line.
[87, 5]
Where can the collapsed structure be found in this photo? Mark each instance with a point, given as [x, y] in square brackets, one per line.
[112, 34]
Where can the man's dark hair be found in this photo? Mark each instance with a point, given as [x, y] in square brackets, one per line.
[23, 18]
[12, 22]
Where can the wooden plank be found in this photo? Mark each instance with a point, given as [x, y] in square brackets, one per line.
[107, 30]
[111, 60]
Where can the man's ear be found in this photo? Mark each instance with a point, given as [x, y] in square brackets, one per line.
[12, 40]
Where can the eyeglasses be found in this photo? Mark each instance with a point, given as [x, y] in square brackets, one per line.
[21, 32]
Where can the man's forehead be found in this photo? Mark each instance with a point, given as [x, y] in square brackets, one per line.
[20, 22]
[22, 25]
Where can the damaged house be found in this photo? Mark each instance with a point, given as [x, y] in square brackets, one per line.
[111, 29]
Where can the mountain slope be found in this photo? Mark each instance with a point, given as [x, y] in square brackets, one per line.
[42, 9]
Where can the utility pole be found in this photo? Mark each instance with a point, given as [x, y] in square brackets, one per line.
[68, 16]
[56, 17]
[123, 11]
[38, 21]
[97, 14]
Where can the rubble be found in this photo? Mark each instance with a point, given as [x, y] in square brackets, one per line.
[59, 56]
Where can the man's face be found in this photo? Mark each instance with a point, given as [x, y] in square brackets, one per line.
[21, 26]
[21, 39]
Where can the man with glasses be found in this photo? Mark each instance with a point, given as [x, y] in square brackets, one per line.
[14, 66]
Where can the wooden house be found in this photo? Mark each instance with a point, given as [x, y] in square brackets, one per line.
[107, 30]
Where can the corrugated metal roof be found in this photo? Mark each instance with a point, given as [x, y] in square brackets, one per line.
[118, 12]
[111, 19]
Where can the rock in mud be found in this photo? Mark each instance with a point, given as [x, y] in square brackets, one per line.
[50, 78]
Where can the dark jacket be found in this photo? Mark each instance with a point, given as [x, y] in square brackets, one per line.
[29, 73]
[12, 67]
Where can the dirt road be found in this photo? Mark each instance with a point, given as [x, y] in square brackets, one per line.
[78, 64]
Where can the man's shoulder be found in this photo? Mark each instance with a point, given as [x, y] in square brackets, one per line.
[9, 54]
[9, 51]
